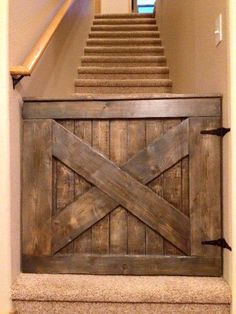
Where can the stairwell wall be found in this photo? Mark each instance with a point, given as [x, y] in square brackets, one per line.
[198, 66]
[21, 24]
[54, 75]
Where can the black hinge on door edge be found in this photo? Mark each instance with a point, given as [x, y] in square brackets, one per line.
[218, 132]
[219, 242]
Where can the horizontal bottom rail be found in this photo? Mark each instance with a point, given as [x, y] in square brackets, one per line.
[123, 265]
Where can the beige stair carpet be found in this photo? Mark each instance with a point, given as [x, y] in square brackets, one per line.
[123, 55]
[71, 294]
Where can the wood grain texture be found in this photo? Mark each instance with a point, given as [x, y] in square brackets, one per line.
[124, 265]
[172, 186]
[119, 155]
[72, 221]
[173, 146]
[154, 242]
[138, 199]
[101, 142]
[83, 244]
[37, 187]
[65, 185]
[136, 228]
[205, 186]
[115, 109]
[79, 216]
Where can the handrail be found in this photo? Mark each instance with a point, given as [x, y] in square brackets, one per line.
[25, 69]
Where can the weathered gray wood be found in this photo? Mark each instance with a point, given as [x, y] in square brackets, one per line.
[37, 187]
[172, 186]
[205, 186]
[83, 244]
[119, 155]
[64, 221]
[136, 228]
[154, 242]
[100, 231]
[115, 109]
[138, 199]
[124, 265]
[185, 186]
[173, 146]
[79, 216]
[65, 185]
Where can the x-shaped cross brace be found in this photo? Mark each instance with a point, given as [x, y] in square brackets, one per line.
[125, 186]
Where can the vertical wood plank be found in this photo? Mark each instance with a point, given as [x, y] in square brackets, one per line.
[36, 187]
[136, 229]
[64, 185]
[172, 188]
[185, 186]
[100, 232]
[205, 186]
[118, 218]
[83, 244]
[154, 242]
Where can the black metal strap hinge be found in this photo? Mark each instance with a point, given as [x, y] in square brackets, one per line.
[220, 242]
[218, 132]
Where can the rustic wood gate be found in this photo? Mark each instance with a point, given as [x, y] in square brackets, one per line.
[121, 186]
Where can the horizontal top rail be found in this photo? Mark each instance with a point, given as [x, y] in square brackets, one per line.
[122, 109]
[37, 51]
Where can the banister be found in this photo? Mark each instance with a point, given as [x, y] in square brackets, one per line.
[25, 69]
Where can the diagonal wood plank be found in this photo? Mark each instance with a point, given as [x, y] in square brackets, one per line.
[160, 154]
[76, 211]
[120, 186]
[79, 216]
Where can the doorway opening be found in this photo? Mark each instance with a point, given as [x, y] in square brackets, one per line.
[143, 6]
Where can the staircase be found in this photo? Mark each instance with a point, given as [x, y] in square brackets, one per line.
[124, 55]
[123, 65]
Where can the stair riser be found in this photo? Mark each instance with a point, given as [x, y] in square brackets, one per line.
[121, 90]
[125, 43]
[124, 35]
[40, 307]
[124, 54]
[123, 64]
[127, 28]
[124, 21]
[124, 16]
[128, 64]
[122, 76]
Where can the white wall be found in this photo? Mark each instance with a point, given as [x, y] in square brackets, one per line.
[5, 194]
[231, 275]
[115, 6]
[57, 69]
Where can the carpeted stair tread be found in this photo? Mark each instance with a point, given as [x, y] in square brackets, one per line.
[123, 83]
[121, 60]
[124, 42]
[124, 15]
[151, 50]
[124, 21]
[124, 28]
[133, 34]
[127, 289]
[109, 73]
[128, 70]
[123, 55]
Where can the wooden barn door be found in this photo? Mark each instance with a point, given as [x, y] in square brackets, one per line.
[122, 196]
